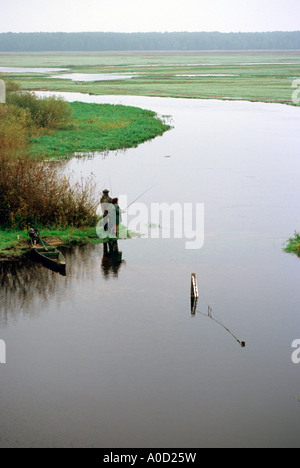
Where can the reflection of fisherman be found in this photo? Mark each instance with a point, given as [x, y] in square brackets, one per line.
[105, 199]
[112, 258]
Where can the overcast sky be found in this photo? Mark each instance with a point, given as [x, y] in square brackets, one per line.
[149, 15]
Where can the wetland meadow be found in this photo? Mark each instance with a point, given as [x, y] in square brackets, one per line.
[264, 76]
[110, 355]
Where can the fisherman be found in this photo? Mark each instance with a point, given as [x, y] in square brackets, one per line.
[118, 217]
[105, 199]
[34, 235]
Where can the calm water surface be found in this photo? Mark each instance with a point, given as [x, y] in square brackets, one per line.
[95, 76]
[30, 70]
[110, 356]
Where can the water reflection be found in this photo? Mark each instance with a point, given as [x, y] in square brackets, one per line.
[194, 304]
[27, 286]
[209, 314]
[111, 260]
[21, 283]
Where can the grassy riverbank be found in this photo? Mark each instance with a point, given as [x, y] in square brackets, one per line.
[253, 76]
[13, 248]
[99, 128]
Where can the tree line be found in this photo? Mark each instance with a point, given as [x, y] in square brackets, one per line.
[101, 41]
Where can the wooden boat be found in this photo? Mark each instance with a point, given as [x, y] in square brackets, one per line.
[50, 256]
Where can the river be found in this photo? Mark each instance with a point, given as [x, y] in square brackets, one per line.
[110, 355]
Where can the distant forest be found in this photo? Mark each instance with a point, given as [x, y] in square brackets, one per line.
[100, 41]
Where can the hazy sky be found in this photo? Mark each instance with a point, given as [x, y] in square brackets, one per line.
[149, 15]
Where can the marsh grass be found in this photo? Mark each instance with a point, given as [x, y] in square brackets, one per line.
[294, 245]
[14, 244]
[97, 127]
[254, 76]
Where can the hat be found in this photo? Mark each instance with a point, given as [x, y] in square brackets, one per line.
[105, 191]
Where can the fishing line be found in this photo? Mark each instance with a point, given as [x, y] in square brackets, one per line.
[146, 191]
[216, 319]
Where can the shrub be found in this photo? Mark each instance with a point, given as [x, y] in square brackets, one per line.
[36, 194]
[52, 112]
[14, 124]
[12, 86]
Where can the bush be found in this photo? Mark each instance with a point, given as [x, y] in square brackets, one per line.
[52, 112]
[14, 124]
[36, 194]
[12, 86]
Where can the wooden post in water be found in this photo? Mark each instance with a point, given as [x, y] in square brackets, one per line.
[194, 294]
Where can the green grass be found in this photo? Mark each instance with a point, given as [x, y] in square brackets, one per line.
[258, 76]
[294, 245]
[10, 245]
[12, 248]
[100, 128]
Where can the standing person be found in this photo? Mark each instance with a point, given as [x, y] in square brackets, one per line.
[105, 199]
[118, 217]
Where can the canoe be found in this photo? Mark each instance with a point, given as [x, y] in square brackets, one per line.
[50, 256]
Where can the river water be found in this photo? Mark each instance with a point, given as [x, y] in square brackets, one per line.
[110, 355]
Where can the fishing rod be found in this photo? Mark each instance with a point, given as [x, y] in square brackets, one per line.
[146, 191]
